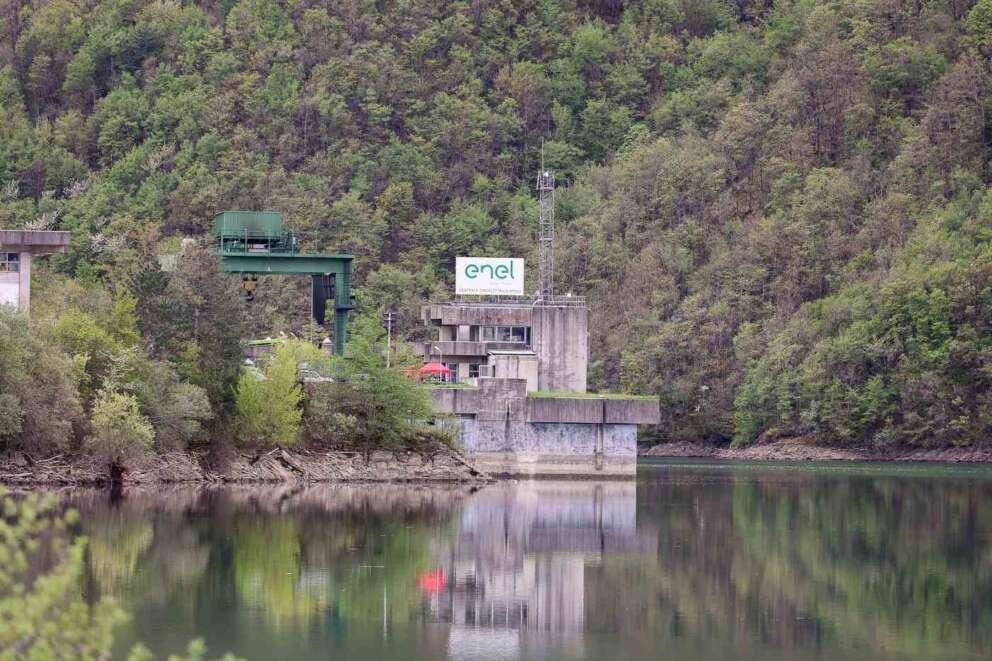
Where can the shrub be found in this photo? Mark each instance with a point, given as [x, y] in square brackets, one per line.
[119, 430]
[268, 403]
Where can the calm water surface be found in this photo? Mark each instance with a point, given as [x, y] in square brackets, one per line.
[694, 560]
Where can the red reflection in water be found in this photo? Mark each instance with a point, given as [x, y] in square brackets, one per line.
[432, 581]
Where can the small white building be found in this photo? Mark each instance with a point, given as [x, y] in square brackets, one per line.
[17, 249]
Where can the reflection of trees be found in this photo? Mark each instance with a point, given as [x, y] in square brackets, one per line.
[800, 561]
[390, 554]
[142, 532]
[294, 556]
[901, 566]
[115, 547]
[267, 570]
[351, 553]
[744, 563]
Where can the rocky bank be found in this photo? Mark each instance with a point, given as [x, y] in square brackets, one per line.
[275, 465]
[801, 449]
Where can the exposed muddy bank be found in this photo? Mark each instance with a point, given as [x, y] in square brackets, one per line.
[272, 466]
[804, 450]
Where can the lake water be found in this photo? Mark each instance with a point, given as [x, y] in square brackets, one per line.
[693, 560]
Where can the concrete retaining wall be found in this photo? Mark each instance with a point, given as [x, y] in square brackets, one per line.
[506, 432]
[495, 397]
[638, 411]
[547, 409]
[525, 448]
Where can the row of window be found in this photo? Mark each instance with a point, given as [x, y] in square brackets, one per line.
[504, 334]
[473, 371]
[10, 262]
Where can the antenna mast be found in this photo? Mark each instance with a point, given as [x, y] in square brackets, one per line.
[546, 207]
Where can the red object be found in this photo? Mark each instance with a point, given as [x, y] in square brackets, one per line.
[432, 581]
[434, 368]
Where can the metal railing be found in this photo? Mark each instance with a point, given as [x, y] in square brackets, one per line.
[519, 301]
[257, 242]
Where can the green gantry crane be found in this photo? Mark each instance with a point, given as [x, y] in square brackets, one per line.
[254, 243]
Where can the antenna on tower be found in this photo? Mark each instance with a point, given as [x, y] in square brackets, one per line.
[546, 210]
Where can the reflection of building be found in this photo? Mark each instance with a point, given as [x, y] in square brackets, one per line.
[519, 558]
[17, 249]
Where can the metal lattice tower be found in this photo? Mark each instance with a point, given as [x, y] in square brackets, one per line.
[546, 260]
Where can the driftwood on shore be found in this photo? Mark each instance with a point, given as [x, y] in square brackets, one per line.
[273, 465]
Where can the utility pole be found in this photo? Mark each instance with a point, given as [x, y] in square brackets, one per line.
[389, 335]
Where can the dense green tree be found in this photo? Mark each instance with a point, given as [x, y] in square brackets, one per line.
[269, 402]
[39, 397]
[371, 406]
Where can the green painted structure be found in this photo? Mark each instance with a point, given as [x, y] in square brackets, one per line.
[254, 243]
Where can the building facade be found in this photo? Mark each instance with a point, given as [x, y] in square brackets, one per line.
[547, 345]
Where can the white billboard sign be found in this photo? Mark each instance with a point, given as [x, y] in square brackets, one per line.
[489, 276]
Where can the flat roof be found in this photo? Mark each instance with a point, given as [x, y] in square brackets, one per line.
[28, 239]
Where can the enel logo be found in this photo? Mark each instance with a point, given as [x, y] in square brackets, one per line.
[495, 271]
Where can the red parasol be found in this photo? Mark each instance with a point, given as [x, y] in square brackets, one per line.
[434, 368]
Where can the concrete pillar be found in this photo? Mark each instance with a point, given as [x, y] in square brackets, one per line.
[24, 283]
[600, 450]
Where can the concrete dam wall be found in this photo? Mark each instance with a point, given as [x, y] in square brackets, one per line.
[507, 432]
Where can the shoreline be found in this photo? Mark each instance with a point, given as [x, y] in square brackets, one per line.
[799, 449]
[286, 466]
[274, 466]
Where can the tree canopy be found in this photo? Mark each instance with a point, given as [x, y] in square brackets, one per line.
[779, 211]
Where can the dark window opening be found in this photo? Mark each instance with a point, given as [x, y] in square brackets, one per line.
[516, 334]
[10, 262]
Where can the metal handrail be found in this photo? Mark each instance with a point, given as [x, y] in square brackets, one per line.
[518, 301]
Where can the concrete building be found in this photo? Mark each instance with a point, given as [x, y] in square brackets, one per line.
[548, 345]
[523, 407]
[17, 250]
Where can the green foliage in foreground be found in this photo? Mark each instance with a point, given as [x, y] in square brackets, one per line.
[43, 613]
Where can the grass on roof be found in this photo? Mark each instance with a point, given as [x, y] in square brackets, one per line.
[557, 394]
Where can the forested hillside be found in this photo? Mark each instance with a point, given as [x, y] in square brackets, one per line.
[780, 211]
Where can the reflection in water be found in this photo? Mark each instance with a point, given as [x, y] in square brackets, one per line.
[519, 556]
[689, 562]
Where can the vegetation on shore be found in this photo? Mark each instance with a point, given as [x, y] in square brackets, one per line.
[780, 211]
[79, 380]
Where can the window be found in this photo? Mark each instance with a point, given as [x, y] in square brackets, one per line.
[10, 262]
[473, 370]
[520, 334]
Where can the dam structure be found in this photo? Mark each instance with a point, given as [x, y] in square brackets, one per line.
[518, 366]
[517, 396]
